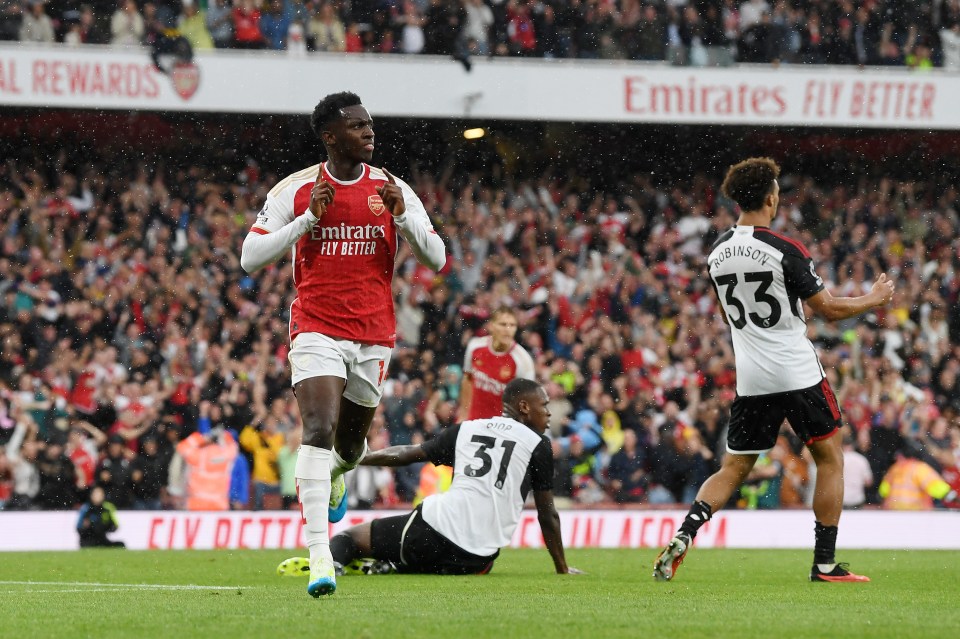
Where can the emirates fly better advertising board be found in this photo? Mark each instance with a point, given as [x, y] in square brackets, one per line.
[437, 87]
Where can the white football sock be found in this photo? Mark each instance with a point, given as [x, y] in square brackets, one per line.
[826, 567]
[339, 465]
[313, 489]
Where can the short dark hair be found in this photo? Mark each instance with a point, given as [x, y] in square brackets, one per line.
[747, 183]
[517, 389]
[328, 109]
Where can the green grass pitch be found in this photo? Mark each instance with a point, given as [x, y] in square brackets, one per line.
[717, 593]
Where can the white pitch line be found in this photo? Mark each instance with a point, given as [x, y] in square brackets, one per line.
[92, 584]
[58, 590]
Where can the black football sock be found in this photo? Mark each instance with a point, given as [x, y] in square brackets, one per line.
[826, 544]
[699, 514]
[343, 548]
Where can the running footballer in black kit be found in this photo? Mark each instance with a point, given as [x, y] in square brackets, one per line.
[762, 279]
[496, 462]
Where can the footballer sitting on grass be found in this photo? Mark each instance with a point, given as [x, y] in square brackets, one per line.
[461, 531]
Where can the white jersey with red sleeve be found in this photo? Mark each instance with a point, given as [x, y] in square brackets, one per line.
[343, 264]
[490, 371]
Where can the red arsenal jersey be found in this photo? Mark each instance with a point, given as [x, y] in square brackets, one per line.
[343, 268]
[490, 373]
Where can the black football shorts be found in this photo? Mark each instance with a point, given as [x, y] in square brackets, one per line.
[415, 547]
[755, 421]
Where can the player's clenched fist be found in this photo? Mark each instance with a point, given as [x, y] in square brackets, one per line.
[392, 196]
[884, 288]
[320, 197]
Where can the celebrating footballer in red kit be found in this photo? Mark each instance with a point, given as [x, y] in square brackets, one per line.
[490, 363]
[341, 220]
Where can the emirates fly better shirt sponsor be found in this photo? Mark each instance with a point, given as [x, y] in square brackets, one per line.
[343, 268]
[761, 279]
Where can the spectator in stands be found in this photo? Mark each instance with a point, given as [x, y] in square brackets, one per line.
[239, 493]
[651, 35]
[759, 43]
[812, 41]
[950, 42]
[82, 451]
[442, 29]
[478, 19]
[36, 26]
[679, 464]
[714, 39]
[940, 442]
[192, 25]
[148, 476]
[219, 20]
[58, 479]
[21, 451]
[627, 471]
[352, 40]
[840, 46]
[520, 29]
[857, 475]
[866, 35]
[919, 58]
[326, 30]
[246, 26]
[82, 29]
[264, 442]
[411, 22]
[275, 25]
[113, 473]
[11, 17]
[127, 26]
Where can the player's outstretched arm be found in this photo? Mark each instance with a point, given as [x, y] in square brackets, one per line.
[839, 308]
[550, 527]
[413, 222]
[395, 456]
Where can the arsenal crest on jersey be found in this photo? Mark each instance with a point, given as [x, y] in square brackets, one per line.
[375, 204]
[186, 80]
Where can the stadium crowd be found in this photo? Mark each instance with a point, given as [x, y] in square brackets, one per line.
[130, 338]
[915, 33]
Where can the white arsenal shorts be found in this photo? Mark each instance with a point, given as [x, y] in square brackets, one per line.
[364, 366]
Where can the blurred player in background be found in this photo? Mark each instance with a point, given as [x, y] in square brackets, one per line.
[496, 462]
[342, 219]
[762, 279]
[490, 362]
